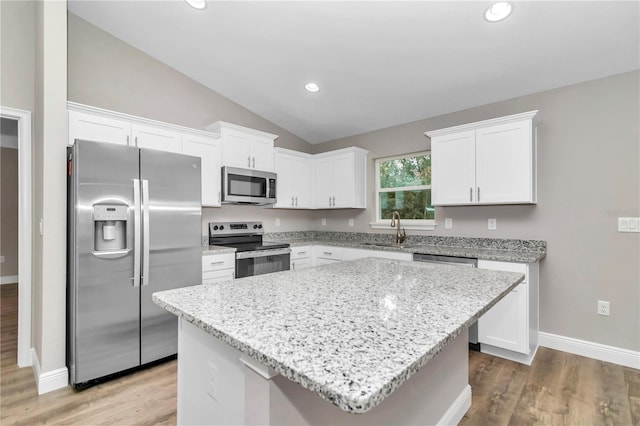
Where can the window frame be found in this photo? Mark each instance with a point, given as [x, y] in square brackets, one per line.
[411, 224]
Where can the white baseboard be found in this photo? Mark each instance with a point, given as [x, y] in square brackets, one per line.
[51, 380]
[458, 409]
[8, 279]
[624, 357]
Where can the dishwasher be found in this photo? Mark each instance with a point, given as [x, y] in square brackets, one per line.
[451, 260]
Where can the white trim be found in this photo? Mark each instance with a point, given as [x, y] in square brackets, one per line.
[8, 279]
[593, 350]
[479, 124]
[74, 106]
[405, 225]
[51, 380]
[24, 230]
[458, 409]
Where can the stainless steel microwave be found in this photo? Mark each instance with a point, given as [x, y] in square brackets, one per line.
[246, 186]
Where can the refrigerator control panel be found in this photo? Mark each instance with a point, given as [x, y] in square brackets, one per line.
[110, 212]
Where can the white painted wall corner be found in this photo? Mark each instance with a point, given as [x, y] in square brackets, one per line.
[624, 357]
[51, 380]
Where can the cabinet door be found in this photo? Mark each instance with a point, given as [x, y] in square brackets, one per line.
[301, 263]
[236, 149]
[504, 163]
[97, 128]
[324, 183]
[453, 169]
[210, 153]
[285, 181]
[505, 325]
[302, 182]
[343, 180]
[156, 138]
[262, 153]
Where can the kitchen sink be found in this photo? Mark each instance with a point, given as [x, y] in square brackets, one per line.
[387, 245]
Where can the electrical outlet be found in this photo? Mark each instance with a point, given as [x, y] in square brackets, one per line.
[629, 224]
[324, 222]
[212, 377]
[492, 224]
[351, 222]
[448, 223]
[277, 221]
[603, 308]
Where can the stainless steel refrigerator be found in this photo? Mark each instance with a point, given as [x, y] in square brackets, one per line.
[134, 228]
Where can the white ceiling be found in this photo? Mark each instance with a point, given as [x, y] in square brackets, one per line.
[378, 64]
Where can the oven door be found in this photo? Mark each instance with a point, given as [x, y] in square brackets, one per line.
[250, 263]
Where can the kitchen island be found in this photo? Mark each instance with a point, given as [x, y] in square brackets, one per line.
[331, 344]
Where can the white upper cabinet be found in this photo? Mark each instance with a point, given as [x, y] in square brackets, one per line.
[294, 184]
[488, 162]
[244, 147]
[98, 128]
[95, 124]
[156, 138]
[340, 179]
[210, 152]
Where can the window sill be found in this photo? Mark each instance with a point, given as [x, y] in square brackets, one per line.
[409, 226]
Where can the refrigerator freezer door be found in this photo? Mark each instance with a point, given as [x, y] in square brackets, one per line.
[103, 304]
[174, 252]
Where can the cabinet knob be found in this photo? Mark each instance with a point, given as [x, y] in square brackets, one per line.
[254, 162]
[470, 194]
[249, 161]
[478, 198]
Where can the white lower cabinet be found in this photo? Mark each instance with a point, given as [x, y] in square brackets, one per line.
[218, 267]
[301, 257]
[510, 328]
[324, 255]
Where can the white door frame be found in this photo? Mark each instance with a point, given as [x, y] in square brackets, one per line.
[24, 231]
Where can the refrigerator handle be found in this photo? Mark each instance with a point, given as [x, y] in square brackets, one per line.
[145, 232]
[136, 233]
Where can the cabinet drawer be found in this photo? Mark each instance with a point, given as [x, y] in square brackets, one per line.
[301, 263]
[328, 252]
[218, 261]
[301, 252]
[212, 277]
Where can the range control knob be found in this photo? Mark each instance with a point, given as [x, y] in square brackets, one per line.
[215, 227]
[255, 226]
[259, 226]
[221, 227]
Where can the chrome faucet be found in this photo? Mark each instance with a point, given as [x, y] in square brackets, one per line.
[400, 235]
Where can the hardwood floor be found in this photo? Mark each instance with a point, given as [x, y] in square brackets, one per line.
[558, 389]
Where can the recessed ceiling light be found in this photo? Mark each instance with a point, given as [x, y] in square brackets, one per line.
[312, 87]
[197, 4]
[498, 11]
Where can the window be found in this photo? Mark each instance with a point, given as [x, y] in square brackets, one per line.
[403, 184]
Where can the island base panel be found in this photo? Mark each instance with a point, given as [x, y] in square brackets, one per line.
[216, 387]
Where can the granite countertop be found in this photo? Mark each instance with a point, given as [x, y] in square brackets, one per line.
[351, 332]
[209, 250]
[497, 254]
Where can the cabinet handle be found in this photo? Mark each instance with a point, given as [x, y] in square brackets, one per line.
[296, 201]
[329, 201]
[292, 202]
[127, 139]
[302, 252]
[327, 253]
[478, 194]
[254, 162]
[334, 201]
[136, 140]
[249, 161]
[470, 194]
[293, 265]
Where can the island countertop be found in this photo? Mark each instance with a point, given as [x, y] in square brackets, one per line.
[351, 332]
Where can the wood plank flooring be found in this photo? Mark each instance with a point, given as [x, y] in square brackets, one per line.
[558, 389]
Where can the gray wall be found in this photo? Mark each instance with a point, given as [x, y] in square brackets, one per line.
[17, 41]
[588, 175]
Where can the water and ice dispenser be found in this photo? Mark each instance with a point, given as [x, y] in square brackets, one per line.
[110, 227]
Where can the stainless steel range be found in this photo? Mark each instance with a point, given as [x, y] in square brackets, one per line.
[253, 255]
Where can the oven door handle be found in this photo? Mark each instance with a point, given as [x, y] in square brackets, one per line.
[262, 253]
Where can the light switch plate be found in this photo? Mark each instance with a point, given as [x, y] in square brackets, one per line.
[277, 221]
[351, 222]
[492, 224]
[629, 224]
[324, 222]
[448, 223]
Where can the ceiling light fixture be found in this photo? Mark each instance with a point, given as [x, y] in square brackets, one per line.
[312, 87]
[498, 11]
[197, 4]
